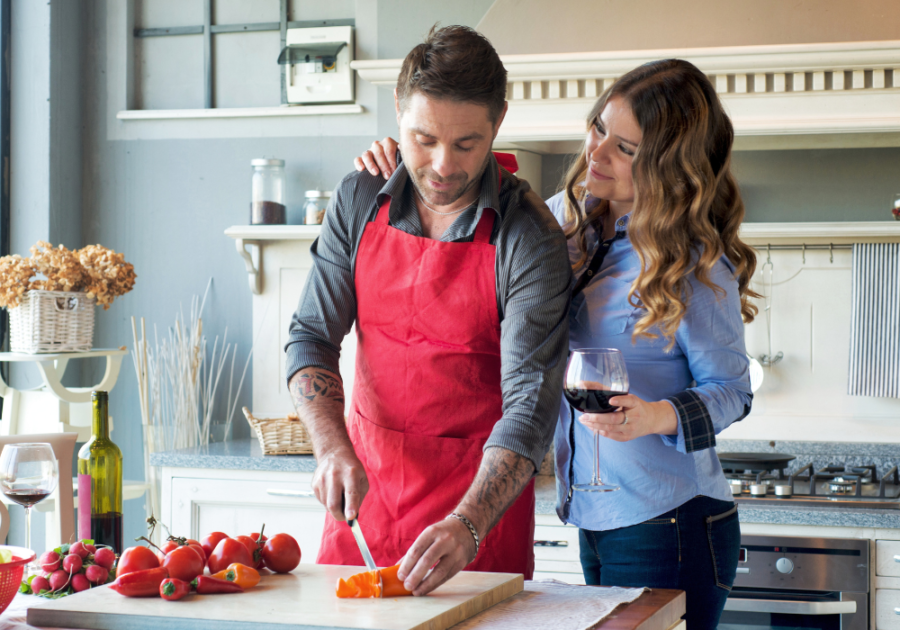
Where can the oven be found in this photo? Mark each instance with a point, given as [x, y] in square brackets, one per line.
[799, 582]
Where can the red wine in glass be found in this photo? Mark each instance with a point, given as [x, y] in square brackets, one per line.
[26, 497]
[593, 376]
[591, 400]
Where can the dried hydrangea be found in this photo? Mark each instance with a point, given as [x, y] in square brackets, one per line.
[15, 279]
[59, 266]
[109, 276]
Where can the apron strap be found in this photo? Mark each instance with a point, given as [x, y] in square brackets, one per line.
[485, 226]
[384, 211]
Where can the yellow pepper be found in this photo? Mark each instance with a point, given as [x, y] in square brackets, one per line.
[240, 574]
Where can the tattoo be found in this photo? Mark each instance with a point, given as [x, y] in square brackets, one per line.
[500, 480]
[311, 384]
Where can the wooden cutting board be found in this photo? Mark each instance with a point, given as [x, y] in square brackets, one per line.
[303, 599]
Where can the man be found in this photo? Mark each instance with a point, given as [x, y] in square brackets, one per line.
[457, 278]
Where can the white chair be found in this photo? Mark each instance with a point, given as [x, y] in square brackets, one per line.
[60, 527]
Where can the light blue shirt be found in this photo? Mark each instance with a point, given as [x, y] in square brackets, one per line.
[705, 377]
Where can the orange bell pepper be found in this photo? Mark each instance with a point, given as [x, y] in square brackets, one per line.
[378, 583]
[240, 574]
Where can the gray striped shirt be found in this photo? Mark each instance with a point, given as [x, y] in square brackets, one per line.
[533, 277]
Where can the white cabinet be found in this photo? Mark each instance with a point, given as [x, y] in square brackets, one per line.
[886, 603]
[559, 561]
[197, 501]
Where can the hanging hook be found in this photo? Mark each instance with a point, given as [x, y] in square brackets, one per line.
[804, 253]
[769, 253]
[831, 252]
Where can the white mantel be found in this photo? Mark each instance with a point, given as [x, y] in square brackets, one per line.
[787, 96]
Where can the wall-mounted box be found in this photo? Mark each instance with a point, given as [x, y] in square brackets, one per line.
[317, 64]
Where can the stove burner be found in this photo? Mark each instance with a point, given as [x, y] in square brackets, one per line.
[839, 486]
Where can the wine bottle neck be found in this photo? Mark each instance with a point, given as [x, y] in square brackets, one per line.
[100, 427]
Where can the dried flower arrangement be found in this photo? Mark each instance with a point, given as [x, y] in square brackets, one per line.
[100, 272]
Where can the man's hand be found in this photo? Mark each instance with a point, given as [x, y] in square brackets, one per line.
[448, 546]
[381, 158]
[340, 483]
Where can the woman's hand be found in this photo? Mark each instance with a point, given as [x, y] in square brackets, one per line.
[381, 158]
[644, 418]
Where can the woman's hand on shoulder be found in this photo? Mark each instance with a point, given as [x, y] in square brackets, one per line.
[643, 418]
[380, 159]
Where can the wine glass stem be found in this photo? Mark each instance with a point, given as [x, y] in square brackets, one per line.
[596, 480]
[29, 568]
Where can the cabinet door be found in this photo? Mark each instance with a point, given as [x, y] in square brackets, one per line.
[887, 609]
[201, 506]
[887, 558]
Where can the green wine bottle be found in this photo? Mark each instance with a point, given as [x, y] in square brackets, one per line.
[100, 481]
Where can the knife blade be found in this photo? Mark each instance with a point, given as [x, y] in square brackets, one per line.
[363, 547]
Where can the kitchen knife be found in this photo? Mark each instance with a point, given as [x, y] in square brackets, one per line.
[363, 547]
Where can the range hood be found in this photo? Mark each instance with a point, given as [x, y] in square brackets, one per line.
[779, 96]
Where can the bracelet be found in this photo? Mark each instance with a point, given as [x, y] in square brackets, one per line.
[468, 524]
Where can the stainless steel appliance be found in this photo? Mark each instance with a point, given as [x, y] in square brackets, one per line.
[757, 480]
[798, 582]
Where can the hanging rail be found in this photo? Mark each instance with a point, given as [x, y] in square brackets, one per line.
[768, 248]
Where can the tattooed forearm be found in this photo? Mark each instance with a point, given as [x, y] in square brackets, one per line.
[312, 383]
[318, 396]
[501, 478]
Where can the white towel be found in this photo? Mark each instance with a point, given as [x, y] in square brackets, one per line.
[875, 321]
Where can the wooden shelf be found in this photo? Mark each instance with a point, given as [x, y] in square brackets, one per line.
[239, 112]
[274, 232]
[837, 233]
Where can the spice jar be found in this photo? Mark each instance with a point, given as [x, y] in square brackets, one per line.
[267, 192]
[316, 202]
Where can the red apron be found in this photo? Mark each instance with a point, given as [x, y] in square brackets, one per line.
[427, 394]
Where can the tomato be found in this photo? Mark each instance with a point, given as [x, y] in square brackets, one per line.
[281, 553]
[226, 552]
[196, 545]
[171, 545]
[184, 563]
[254, 549]
[209, 542]
[136, 559]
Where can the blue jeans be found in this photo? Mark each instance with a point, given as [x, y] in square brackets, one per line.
[693, 548]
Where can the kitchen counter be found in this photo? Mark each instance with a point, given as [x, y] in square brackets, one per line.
[247, 455]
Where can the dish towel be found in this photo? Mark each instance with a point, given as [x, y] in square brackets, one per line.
[875, 321]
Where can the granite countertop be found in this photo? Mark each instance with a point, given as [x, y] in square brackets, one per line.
[247, 455]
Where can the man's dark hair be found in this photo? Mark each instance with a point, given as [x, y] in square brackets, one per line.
[455, 63]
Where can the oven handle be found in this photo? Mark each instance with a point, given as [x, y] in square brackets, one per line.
[789, 607]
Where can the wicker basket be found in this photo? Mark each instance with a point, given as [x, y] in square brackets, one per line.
[52, 321]
[280, 436]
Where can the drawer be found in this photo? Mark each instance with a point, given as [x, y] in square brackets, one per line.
[567, 535]
[887, 558]
[887, 609]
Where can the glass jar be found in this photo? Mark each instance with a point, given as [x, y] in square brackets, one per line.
[316, 202]
[267, 192]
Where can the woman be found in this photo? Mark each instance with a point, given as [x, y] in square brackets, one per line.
[652, 213]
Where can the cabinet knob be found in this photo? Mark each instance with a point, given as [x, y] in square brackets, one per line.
[896, 558]
[897, 611]
[181, 504]
[194, 489]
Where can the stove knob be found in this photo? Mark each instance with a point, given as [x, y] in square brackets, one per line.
[784, 565]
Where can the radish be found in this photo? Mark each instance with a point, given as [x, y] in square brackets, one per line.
[96, 574]
[39, 584]
[58, 580]
[80, 583]
[50, 561]
[79, 550]
[91, 548]
[72, 563]
[105, 557]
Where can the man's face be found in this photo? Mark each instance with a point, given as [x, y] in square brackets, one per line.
[445, 145]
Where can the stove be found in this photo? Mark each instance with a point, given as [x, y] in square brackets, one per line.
[815, 485]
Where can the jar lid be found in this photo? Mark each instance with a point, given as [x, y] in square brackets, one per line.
[267, 162]
[324, 194]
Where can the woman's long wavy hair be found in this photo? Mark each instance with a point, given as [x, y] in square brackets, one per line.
[687, 207]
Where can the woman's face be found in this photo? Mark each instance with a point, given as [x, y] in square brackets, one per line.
[610, 148]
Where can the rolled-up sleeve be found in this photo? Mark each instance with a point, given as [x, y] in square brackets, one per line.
[711, 336]
[327, 307]
[534, 340]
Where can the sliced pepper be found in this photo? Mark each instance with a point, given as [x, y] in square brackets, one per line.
[378, 583]
[240, 574]
[144, 583]
[209, 585]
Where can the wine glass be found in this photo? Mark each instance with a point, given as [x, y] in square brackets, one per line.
[28, 475]
[593, 376]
